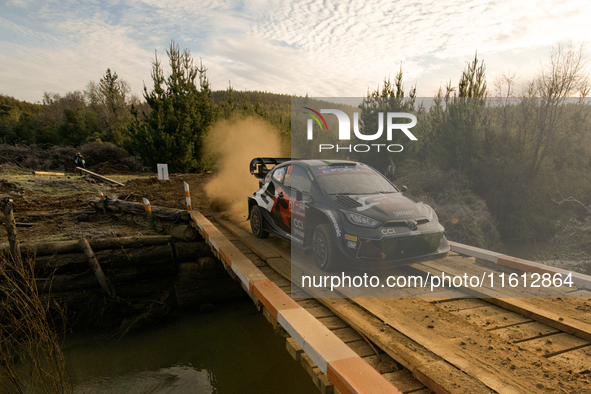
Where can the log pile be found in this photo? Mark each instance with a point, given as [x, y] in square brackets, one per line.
[120, 279]
[170, 215]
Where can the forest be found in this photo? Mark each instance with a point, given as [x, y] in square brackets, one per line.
[498, 162]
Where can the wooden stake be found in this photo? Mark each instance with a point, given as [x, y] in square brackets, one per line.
[149, 214]
[187, 196]
[107, 287]
[103, 202]
[10, 225]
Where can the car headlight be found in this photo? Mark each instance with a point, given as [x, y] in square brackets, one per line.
[361, 220]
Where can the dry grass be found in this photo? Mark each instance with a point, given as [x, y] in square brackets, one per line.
[31, 360]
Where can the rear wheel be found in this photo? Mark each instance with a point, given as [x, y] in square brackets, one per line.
[324, 248]
[256, 223]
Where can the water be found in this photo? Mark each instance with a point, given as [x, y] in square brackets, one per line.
[231, 350]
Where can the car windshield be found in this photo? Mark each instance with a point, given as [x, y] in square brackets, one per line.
[352, 180]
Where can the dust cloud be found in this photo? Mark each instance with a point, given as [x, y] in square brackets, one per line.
[231, 145]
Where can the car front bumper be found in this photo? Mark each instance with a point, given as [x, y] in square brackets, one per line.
[394, 252]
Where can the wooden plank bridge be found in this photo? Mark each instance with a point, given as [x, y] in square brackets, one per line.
[442, 344]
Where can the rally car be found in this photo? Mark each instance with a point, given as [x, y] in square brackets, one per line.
[346, 212]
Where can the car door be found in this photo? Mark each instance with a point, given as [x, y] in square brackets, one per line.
[280, 196]
[298, 184]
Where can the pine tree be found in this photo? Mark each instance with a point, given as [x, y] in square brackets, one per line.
[390, 98]
[182, 109]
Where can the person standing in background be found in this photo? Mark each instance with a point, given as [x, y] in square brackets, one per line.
[390, 171]
[79, 160]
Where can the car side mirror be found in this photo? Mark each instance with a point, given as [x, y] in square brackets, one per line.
[299, 195]
[404, 189]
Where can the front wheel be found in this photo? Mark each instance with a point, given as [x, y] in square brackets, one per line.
[324, 248]
[256, 223]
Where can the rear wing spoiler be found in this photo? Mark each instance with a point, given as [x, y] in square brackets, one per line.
[258, 165]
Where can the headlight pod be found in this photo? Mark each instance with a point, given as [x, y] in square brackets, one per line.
[361, 220]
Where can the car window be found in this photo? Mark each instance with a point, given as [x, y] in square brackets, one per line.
[352, 180]
[278, 174]
[298, 179]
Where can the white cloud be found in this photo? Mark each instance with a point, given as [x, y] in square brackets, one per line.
[324, 48]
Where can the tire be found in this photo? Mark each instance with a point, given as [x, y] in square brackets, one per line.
[325, 251]
[256, 223]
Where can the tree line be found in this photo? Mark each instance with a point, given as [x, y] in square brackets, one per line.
[523, 151]
[516, 151]
[168, 125]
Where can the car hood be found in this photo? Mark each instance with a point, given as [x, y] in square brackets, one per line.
[383, 206]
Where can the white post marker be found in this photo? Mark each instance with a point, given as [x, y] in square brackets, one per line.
[162, 171]
[187, 196]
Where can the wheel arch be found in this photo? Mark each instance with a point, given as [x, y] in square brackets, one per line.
[315, 217]
[251, 203]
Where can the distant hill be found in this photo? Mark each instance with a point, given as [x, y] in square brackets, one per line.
[7, 103]
[272, 101]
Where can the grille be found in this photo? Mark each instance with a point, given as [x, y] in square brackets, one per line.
[404, 223]
[393, 249]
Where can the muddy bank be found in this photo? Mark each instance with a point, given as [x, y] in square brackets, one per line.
[150, 282]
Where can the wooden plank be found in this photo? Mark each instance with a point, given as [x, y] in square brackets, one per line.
[257, 246]
[362, 348]
[256, 260]
[355, 376]
[466, 303]
[553, 344]
[308, 364]
[523, 307]
[525, 331]
[404, 380]
[282, 266]
[320, 311]
[106, 285]
[423, 391]
[382, 363]
[474, 251]
[444, 295]
[347, 334]
[321, 381]
[278, 279]
[575, 361]
[491, 316]
[426, 367]
[310, 304]
[332, 322]
[443, 336]
[48, 173]
[580, 294]
[95, 175]
[293, 348]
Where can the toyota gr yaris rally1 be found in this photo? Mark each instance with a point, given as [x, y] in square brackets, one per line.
[346, 212]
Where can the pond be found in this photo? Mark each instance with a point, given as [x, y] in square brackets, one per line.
[231, 350]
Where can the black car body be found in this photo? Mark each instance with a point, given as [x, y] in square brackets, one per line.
[346, 212]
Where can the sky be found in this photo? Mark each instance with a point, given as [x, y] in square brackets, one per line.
[320, 48]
